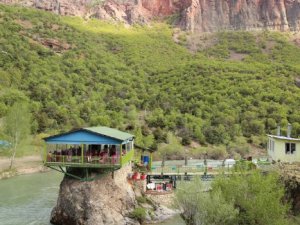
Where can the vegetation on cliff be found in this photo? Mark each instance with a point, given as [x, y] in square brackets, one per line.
[76, 73]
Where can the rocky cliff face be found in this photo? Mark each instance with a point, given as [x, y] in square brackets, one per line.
[105, 201]
[204, 15]
[193, 15]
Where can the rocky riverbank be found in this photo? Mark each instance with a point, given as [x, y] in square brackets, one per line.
[24, 165]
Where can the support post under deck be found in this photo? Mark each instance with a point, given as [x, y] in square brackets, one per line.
[66, 173]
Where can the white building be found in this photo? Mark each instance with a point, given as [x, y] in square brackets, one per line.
[285, 149]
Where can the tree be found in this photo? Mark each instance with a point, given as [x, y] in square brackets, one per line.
[249, 199]
[258, 197]
[171, 148]
[143, 141]
[17, 126]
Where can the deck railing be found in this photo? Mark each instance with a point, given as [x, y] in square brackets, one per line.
[81, 161]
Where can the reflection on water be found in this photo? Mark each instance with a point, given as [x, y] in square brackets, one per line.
[29, 199]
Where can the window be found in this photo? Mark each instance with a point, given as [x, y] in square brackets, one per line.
[290, 148]
[293, 148]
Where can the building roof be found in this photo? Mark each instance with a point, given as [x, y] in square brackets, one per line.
[284, 138]
[110, 132]
[91, 135]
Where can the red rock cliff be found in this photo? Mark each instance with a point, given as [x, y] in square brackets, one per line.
[194, 15]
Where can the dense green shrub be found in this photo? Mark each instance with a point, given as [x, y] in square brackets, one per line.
[141, 199]
[138, 214]
[248, 199]
[258, 197]
[204, 208]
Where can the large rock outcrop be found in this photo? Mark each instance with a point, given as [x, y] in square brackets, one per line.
[104, 201]
[193, 15]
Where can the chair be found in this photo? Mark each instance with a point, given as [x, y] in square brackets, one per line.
[169, 187]
[114, 159]
[158, 187]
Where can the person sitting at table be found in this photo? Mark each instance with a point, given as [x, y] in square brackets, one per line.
[123, 149]
[49, 156]
[69, 156]
[97, 152]
[78, 151]
[113, 150]
[89, 156]
[58, 156]
[105, 150]
[103, 155]
[113, 154]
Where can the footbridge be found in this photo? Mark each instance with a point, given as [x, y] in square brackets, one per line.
[179, 171]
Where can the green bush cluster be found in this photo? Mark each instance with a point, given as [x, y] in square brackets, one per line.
[138, 79]
[139, 214]
[141, 199]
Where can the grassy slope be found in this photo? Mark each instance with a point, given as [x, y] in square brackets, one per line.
[111, 74]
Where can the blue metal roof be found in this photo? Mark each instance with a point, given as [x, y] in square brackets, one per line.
[86, 136]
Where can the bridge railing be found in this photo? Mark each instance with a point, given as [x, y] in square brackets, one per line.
[179, 169]
[211, 168]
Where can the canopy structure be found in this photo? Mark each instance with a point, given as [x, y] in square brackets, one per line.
[91, 147]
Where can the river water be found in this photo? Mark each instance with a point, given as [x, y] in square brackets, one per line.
[29, 199]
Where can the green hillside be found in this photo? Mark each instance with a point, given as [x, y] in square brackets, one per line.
[76, 73]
